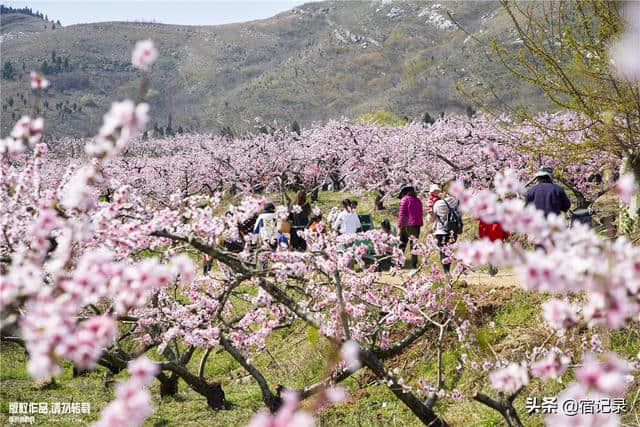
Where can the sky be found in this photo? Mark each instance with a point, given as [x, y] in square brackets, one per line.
[187, 12]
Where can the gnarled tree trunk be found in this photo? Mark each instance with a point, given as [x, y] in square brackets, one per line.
[168, 384]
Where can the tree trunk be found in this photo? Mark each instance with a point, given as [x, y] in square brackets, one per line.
[504, 405]
[378, 201]
[211, 391]
[215, 396]
[273, 401]
[168, 384]
[419, 409]
[78, 372]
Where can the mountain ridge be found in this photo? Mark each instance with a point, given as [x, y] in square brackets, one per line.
[314, 62]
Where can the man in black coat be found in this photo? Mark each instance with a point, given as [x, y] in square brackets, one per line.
[547, 196]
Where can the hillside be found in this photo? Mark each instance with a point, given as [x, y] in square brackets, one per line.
[317, 61]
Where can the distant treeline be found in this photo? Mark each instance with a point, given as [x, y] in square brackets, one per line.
[25, 10]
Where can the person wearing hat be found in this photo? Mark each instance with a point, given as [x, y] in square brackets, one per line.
[547, 196]
[409, 219]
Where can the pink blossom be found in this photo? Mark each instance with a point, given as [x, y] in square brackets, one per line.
[124, 121]
[624, 53]
[282, 212]
[302, 419]
[613, 308]
[509, 379]
[552, 366]
[184, 266]
[336, 394]
[570, 416]
[28, 129]
[41, 366]
[11, 146]
[507, 182]
[625, 58]
[350, 353]
[626, 186]
[38, 81]
[606, 377]
[457, 190]
[144, 55]
[287, 415]
[456, 395]
[559, 314]
[103, 328]
[491, 150]
[100, 241]
[131, 407]
[78, 193]
[142, 369]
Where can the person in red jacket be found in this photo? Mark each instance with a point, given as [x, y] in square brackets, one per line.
[409, 219]
[434, 196]
[492, 232]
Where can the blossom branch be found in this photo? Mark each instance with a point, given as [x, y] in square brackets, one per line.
[272, 401]
[504, 406]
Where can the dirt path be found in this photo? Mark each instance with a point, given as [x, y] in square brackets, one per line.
[504, 279]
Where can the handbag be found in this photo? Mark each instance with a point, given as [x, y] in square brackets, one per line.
[284, 226]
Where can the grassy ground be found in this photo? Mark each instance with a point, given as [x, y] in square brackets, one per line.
[296, 358]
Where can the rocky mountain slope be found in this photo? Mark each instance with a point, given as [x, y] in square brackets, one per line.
[318, 61]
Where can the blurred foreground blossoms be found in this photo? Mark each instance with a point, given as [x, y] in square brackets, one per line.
[60, 283]
[624, 52]
[286, 416]
[144, 55]
[133, 402]
[595, 282]
[125, 121]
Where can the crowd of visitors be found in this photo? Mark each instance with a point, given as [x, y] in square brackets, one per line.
[442, 211]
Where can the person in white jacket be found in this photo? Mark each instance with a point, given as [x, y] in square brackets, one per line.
[443, 236]
[347, 221]
[266, 225]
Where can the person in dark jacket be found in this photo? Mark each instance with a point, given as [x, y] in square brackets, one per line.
[300, 220]
[547, 196]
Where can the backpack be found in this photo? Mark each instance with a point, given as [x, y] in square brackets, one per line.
[453, 221]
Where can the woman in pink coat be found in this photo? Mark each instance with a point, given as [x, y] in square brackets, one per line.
[409, 219]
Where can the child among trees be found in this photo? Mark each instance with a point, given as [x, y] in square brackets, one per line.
[434, 196]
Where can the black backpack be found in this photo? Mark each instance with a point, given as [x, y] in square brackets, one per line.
[453, 221]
